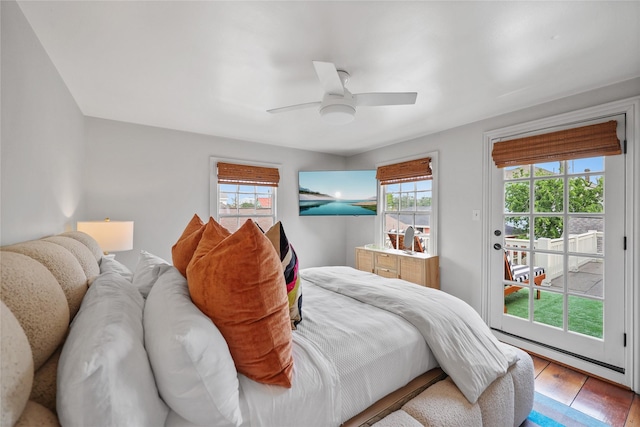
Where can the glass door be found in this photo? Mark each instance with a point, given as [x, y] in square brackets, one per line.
[557, 277]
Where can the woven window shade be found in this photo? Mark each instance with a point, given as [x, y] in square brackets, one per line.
[231, 173]
[587, 141]
[413, 170]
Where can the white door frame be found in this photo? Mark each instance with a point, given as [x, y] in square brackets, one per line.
[630, 107]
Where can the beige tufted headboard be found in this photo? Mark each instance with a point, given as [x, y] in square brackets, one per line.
[43, 283]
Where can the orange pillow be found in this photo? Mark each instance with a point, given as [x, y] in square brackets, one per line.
[185, 247]
[237, 281]
[182, 251]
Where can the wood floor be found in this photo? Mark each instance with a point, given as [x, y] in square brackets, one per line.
[599, 399]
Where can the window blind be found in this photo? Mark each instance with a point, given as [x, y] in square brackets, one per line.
[412, 170]
[577, 143]
[231, 173]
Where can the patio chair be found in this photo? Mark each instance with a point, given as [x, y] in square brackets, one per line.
[520, 273]
[399, 242]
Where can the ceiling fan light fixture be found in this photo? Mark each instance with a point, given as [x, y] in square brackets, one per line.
[338, 114]
[338, 105]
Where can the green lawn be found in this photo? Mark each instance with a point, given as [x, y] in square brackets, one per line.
[585, 315]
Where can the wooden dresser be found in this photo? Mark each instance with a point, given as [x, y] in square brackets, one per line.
[417, 267]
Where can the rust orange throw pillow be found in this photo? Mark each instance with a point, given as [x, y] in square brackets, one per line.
[237, 281]
[185, 247]
[182, 251]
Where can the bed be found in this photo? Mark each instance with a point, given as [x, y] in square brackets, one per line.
[139, 352]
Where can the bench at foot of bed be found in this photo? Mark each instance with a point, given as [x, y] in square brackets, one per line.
[507, 401]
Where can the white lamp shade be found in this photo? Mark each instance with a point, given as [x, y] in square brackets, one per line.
[112, 236]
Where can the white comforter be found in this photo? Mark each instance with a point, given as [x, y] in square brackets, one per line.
[348, 354]
[461, 342]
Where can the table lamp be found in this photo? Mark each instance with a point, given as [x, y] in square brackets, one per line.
[112, 236]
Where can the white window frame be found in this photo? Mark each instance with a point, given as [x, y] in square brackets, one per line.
[433, 226]
[214, 188]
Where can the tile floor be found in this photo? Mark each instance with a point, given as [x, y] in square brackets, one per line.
[604, 401]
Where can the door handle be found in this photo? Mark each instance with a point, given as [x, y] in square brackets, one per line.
[497, 246]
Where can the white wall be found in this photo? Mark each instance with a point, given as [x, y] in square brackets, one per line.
[460, 169]
[57, 167]
[42, 139]
[159, 178]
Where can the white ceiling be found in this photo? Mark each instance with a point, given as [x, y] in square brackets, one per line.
[216, 67]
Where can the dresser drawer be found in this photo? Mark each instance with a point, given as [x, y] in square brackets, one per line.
[421, 269]
[386, 272]
[386, 261]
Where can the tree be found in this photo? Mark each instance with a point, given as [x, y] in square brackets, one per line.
[548, 197]
[424, 202]
[406, 201]
[392, 202]
[585, 196]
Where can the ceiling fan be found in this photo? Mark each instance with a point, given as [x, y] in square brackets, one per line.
[338, 105]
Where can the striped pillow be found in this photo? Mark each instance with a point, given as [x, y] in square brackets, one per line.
[290, 267]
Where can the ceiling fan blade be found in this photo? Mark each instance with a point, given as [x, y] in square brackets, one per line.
[385, 98]
[329, 78]
[294, 107]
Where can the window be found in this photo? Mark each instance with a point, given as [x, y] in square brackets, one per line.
[245, 192]
[407, 200]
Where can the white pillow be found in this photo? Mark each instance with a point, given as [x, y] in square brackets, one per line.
[104, 376]
[108, 263]
[194, 370]
[147, 271]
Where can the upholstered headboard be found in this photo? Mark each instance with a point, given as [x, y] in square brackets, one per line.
[43, 283]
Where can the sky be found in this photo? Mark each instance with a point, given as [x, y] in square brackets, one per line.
[347, 185]
[594, 164]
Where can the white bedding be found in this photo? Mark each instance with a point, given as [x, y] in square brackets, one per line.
[346, 356]
[359, 354]
[464, 346]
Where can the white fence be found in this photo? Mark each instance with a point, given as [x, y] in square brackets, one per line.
[585, 243]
